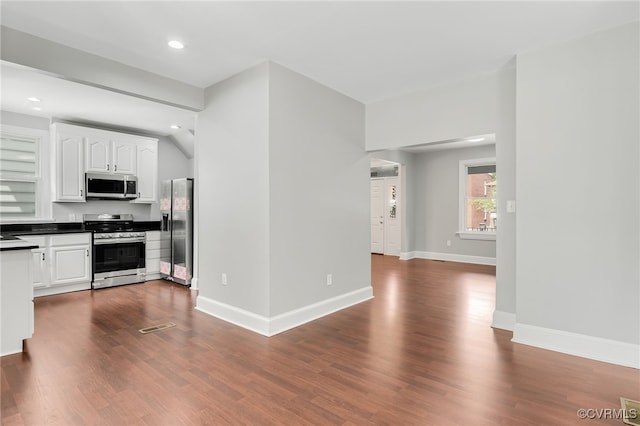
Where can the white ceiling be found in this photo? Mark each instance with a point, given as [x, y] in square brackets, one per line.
[366, 50]
[67, 100]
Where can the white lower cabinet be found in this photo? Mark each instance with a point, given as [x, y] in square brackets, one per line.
[152, 255]
[61, 264]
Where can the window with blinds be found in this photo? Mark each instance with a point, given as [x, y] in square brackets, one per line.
[19, 176]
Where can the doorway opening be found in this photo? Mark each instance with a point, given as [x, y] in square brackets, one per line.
[386, 207]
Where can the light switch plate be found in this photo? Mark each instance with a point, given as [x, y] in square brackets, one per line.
[511, 206]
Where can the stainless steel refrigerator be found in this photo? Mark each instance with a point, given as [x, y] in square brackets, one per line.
[176, 236]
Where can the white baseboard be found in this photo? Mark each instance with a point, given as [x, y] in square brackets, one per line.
[504, 320]
[599, 349]
[449, 257]
[194, 283]
[237, 316]
[407, 255]
[279, 323]
[59, 289]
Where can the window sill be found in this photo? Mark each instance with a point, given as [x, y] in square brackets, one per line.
[468, 235]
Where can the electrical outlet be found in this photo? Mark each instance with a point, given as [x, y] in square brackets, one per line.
[448, 243]
[329, 279]
[224, 278]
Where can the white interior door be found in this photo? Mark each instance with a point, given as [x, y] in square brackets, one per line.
[392, 216]
[377, 215]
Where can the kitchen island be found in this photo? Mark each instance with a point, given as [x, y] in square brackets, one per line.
[16, 293]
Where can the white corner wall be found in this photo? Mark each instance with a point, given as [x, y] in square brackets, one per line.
[283, 190]
[232, 180]
[578, 189]
[319, 193]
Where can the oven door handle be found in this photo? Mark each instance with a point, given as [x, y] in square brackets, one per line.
[106, 241]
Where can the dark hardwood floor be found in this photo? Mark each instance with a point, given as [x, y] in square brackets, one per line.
[422, 352]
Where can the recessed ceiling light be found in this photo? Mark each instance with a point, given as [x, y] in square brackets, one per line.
[36, 109]
[33, 99]
[475, 140]
[176, 44]
[175, 126]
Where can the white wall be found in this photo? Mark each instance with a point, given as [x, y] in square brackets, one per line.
[319, 193]
[482, 105]
[232, 155]
[437, 202]
[577, 168]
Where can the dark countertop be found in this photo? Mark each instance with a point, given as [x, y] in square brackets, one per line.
[64, 228]
[10, 242]
[9, 232]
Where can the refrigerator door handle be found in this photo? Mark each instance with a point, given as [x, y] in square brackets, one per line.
[166, 224]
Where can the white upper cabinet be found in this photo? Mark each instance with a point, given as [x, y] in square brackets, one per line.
[147, 166]
[83, 149]
[124, 156]
[68, 170]
[98, 154]
[107, 154]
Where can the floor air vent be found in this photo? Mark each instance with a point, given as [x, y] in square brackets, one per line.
[156, 327]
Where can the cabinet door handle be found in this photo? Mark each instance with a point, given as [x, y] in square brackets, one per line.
[138, 195]
[87, 252]
[107, 167]
[81, 192]
[115, 168]
[42, 255]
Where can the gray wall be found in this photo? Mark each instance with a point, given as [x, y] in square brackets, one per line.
[482, 105]
[232, 181]
[437, 202]
[23, 120]
[274, 224]
[319, 192]
[577, 165]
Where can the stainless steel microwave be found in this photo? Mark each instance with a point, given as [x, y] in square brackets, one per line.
[103, 186]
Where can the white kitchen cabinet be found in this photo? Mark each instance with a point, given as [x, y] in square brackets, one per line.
[152, 255]
[70, 264]
[147, 167]
[68, 170]
[40, 268]
[82, 149]
[61, 264]
[98, 154]
[107, 154]
[124, 156]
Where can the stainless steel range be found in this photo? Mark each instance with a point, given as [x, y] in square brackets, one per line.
[118, 250]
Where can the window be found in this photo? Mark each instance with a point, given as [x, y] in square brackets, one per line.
[478, 218]
[23, 195]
